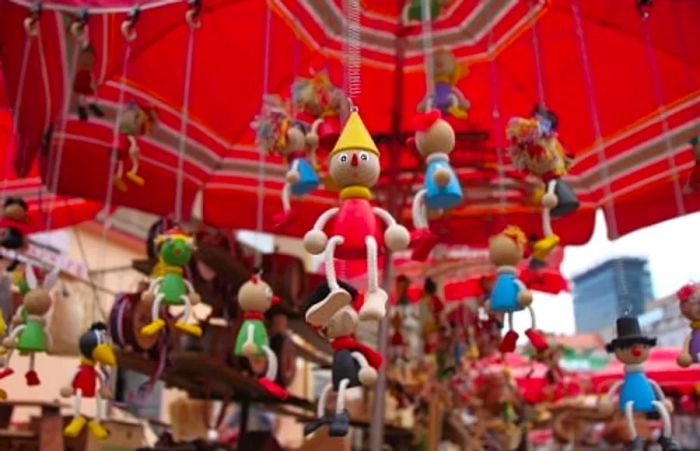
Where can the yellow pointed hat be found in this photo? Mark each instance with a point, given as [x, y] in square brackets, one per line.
[355, 136]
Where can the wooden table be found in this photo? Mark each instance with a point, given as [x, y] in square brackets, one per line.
[46, 431]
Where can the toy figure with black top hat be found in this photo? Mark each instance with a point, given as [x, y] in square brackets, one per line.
[356, 231]
[638, 394]
[354, 364]
[689, 299]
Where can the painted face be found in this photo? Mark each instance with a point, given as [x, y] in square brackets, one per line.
[504, 251]
[690, 307]
[444, 63]
[355, 168]
[256, 296]
[296, 141]
[633, 355]
[341, 324]
[176, 251]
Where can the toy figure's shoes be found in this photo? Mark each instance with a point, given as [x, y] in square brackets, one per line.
[96, 110]
[119, 183]
[543, 247]
[310, 428]
[153, 328]
[191, 329]
[82, 113]
[319, 314]
[75, 426]
[374, 307]
[6, 372]
[282, 219]
[98, 430]
[637, 444]
[134, 177]
[32, 378]
[457, 112]
[509, 341]
[537, 339]
[273, 388]
[668, 444]
[422, 241]
[340, 424]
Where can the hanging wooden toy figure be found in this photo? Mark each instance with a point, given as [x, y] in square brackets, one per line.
[638, 394]
[171, 288]
[356, 231]
[354, 364]
[135, 121]
[84, 84]
[318, 102]
[255, 297]
[689, 299]
[446, 96]
[15, 225]
[95, 349]
[29, 334]
[277, 133]
[509, 294]
[537, 150]
[434, 139]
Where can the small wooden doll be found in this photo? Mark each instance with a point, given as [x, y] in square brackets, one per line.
[446, 97]
[536, 149]
[354, 364]
[689, 299]
[135, 121]
[638, 394]
[84, 84]
[356, 230]
[255, 298]
[29, 334]
[95, 348]
[434, 139]
[509, 294]
[14, 226]
[171, 287]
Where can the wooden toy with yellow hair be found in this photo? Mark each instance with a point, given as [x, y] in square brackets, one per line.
[446, 97]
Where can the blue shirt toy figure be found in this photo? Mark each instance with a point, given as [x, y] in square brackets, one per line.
[638, 394]
[509, 294]
[434, 140]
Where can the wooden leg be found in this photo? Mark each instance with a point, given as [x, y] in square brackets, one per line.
[6, 415]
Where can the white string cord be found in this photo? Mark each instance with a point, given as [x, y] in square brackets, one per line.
[427, 40]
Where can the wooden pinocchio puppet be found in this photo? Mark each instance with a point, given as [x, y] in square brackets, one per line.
[95, 349]
[689, 299]
[638, 393]
[135, 121]
[509, 294]
[28, 334]
[537, 150]
[255, 297]
[170, 287]
[356, 231]
[434, 140]
[354, 364]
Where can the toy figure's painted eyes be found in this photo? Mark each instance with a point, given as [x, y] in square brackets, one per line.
[343, 158]
[364, 156]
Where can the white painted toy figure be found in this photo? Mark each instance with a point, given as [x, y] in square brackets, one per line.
[356, 232]
[354, 364]
[638, 393]
[689, 299]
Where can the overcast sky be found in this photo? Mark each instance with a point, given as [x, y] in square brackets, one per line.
[673, 250]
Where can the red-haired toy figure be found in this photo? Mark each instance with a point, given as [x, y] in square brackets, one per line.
[689, 298]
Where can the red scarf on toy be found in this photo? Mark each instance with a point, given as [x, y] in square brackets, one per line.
[351, 344]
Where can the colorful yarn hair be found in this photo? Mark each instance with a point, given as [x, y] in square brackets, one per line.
[516, 234]
[271, 124]
[686, 293]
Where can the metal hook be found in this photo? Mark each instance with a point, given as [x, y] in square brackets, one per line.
[192, 16]
[77, 28]
[30, 23]
[129, 24]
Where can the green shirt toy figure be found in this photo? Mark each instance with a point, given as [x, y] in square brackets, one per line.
[255, 297]
[169, 287]
[29, 334]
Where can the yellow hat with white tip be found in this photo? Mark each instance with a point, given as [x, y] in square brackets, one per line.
[355, 137]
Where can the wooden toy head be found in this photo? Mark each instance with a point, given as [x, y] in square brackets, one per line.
[445, 67]
[295, 139]
[37, 301]
[96, 346]
[630, 346]
[354, 161]
[15, 208]
[342, 324]
[507, 248]
[175, 247]
[256, 296]
[433, 134]
[689, 299]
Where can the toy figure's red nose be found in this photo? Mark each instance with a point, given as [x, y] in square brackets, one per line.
[636, 351]
[354, 160]
[276, 300]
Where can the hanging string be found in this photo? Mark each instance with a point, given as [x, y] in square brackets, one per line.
[536, 53]
[498, 126]
[184, 121]
[351, 51]
[427, 39]
[659, 94]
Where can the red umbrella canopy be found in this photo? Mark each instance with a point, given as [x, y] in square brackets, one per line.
[625, 91]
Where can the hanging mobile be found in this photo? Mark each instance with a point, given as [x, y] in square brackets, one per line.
[434, 140]
[171, 287]
[354, 364]
[509, 294]
[95, 348]
[28, 334]
[255, 297]
[356, 232]
[135, 121]
[638, 393]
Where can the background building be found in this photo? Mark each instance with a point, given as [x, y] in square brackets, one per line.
[616, 287]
